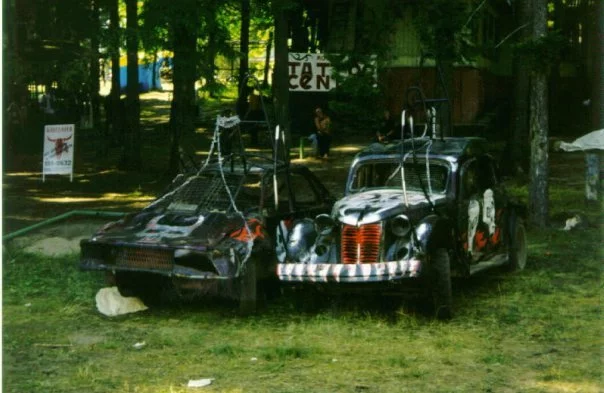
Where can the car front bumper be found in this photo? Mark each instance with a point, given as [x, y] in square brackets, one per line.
[349, 273]
[156, 260]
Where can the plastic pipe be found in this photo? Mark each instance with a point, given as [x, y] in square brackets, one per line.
[92, 213]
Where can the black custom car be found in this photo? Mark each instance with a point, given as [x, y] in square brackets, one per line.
[414, 214]
[211, 233]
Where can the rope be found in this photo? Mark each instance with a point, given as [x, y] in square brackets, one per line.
[224, 122]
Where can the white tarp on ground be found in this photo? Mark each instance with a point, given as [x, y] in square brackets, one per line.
[592, 141]
[109, 302]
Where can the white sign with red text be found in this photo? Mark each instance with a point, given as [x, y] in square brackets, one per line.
[310, 72]
[58, 150]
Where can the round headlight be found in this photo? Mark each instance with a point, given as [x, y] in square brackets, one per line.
[324, 224]
[400, 225]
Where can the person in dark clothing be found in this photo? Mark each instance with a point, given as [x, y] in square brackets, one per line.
[255, 113]
[387, 128]
[323, 128]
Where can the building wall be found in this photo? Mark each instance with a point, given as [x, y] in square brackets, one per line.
[476, 91]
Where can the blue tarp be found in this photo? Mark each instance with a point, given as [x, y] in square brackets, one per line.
[145, 76]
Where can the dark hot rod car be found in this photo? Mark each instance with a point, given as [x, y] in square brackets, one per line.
[211, 233]
[415, 213]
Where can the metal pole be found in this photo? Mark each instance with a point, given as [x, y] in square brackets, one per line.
[64, 216]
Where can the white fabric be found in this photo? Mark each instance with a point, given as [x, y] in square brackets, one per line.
[592, 141]
[109, 302]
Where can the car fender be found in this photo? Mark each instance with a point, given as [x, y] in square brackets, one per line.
[434, 231]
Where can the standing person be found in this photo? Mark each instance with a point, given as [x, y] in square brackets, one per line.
[255, 114]
[387, 130]
[323, 127]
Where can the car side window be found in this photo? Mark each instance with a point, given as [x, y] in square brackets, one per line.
[477, 176]
[469, 180]
[486, 174]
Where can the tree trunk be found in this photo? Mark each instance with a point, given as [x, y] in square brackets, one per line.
[267, 60]
[114, 114]
[211, 50]
[131, 156]
[593, 164]
[539, 127]
[518, 159]
[182, 112]
[281, 77]
[244, 59]
[154, 71]
[598, 86]
[95, 70]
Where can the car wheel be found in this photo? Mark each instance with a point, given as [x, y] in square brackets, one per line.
[517, 250]
[440, 284]
[248, 290]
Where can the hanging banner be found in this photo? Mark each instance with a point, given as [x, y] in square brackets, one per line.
[58, 150]
[310, 72]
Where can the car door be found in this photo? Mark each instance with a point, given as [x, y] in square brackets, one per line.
[481, 208]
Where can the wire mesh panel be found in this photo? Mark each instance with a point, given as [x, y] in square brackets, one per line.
[206, 192]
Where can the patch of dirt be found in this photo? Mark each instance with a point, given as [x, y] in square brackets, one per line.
[57, 240]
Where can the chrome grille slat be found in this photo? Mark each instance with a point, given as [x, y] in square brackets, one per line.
[361, 244]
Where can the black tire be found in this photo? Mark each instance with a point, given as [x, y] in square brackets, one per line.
[517, 249]
[440, 284]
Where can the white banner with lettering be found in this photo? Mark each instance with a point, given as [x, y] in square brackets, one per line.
[58, 150]
[310, 72]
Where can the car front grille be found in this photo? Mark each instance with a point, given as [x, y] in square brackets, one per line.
[144, 258]
[361, 244]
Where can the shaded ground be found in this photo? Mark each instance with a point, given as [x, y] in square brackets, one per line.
[99, 186]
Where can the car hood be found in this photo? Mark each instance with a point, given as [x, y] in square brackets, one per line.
[375, 205]
[172, 229]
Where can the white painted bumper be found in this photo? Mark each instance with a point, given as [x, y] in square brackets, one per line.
[357, 273]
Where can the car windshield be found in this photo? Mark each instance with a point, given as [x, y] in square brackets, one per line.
[387, 174]
[208, 192]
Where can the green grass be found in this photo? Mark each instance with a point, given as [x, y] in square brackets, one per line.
[538, 330]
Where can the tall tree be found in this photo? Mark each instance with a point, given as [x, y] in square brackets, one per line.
[244, 65]
[131, 154]
[95, 72]
[517, 145]
[598, 88]
[539, 126]
[182, 21]
[114, 113]
[281, 77]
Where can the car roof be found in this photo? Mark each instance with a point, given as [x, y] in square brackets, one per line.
[451, 148]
